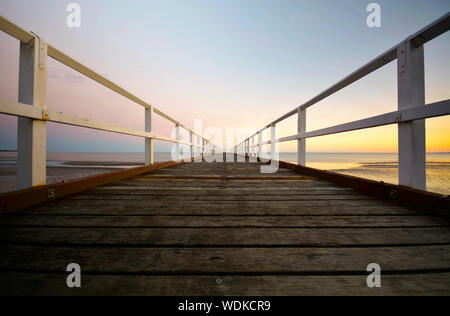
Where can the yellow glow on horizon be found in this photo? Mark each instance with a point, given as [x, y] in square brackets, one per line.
[375, 140]
[438, 134]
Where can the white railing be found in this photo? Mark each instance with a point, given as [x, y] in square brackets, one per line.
[410, 116]
[33, 113]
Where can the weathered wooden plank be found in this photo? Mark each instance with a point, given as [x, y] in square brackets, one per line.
[16, 283]
[249, 237]
[210, 172]
[201, 198]
[267, 177]
[112, 189]
[224, 260]
[222, 165]
[224, 183]
[256, 171]
[223, 211]
[254, 208]
[221, 221]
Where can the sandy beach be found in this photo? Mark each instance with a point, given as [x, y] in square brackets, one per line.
[69, 166]
[8, 175]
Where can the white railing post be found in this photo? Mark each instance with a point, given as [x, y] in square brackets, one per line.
[149, 142]
[260, 146]
[253, 147]
[247, 148]
[301, 143]
[178, 137]
[198, 148]
[191, 140]
[273, 144]
[203, 149]
[32, 134]
[411, 135]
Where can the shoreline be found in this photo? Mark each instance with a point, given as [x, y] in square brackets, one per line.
[100, 163]
[64, 167]
[8, 175]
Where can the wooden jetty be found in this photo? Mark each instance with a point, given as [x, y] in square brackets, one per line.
[224, 228]
[177, 231]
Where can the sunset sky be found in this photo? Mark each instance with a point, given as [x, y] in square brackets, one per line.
[233, 63]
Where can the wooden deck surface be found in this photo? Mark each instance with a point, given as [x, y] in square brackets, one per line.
[177, 231]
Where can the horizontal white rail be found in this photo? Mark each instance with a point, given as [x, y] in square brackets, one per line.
[26, 111]
[410, 116]
[423, 112]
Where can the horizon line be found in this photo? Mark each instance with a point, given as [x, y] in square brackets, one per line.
[168, 152]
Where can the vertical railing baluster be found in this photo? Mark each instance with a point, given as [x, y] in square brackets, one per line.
[203, 150]
[273, 144]
[252, 152]
[191, 141]
[411, 135]
[32, 134]
[260, 146]
[198, 148]
[247, 150]
[301, 143]
[149, 142]
[178, 138]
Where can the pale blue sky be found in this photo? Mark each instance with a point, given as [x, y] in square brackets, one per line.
[231, 63]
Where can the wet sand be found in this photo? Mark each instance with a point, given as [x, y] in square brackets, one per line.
[102, 163]
[8, 175]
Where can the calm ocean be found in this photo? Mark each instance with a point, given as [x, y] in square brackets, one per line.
[375, 166]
